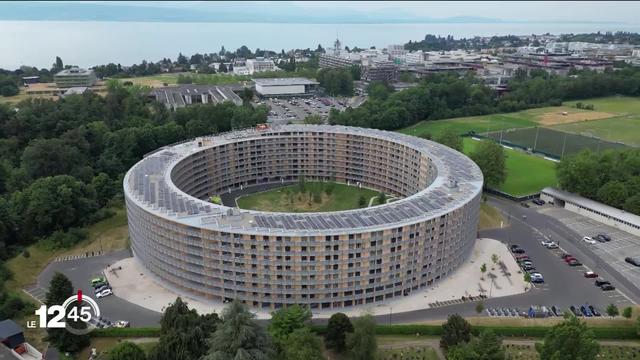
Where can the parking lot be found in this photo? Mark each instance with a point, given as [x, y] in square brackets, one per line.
[622, 244]
[283, 110]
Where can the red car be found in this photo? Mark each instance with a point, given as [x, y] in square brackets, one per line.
[590, 274]
[522, 257]
[568, 258]
[574, 262]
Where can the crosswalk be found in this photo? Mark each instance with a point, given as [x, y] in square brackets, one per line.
[81, 256]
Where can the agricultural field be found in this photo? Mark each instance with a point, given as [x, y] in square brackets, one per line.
[315, 198]
[526, 174]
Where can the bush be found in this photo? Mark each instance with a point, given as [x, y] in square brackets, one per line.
[64, 240]
[26, 254]
[100, 215]
[126, 332]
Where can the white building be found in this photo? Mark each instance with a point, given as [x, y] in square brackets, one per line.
[415, 58]
[285, 86]
[605, 214]
[241, 70]
[396, 51]
[260, 64]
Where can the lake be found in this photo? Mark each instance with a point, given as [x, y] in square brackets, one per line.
[89, 43]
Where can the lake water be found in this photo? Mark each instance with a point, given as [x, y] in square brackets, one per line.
[88, 43]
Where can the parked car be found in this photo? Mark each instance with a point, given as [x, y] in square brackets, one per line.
[585, 311]
[635, 261]
[556, 311]
[549, 244]
[514, 247]
[528, 267]
[575, 311]
[564, 256]
[518, 251]
[97, 280]
[574, 262]
[101, 288]
[536, 278]
[589, 240]
[538, 202]
[568, 258]
[100, 284]
[600, 238]
[522, 257]
[104, 293]
[604, 236]
[600, 282]
[607, 287]
[594, 311]
[590, 274]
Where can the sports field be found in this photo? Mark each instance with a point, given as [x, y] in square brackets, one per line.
[291, 199]
[526, 174]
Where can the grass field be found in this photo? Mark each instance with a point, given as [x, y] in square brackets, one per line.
[526, 174]
[289, 199]
[490, 217]
[172, 79]
[624, 129]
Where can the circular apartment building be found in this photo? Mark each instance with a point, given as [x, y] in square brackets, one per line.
[325, 260]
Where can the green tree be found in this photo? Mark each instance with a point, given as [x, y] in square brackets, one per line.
[362, 201]
[382, 197]
[483, 268]
[60, 288]
[569, 340]
[104, 188]
[455, 331]
[284, 321]
[246, 94]
[627, 312]
[303, 344]
[632, 204]
[183, 333]
[361, 342]
[487, 346]
[337, 328]
[491, 159]
[378, 90]
[49, 157]
[239, 337]
[313, 120]
[479, 307]
[612, 310]
[126, 351]
[449, 137]
[613, 193]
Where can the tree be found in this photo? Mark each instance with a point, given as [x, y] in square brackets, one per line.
[362, 341]
[495, 258]
[362, 201]
[527, 279]
[284, 321]
[613, 193]
[455, 331]
[627, 312]
[612, 310]
[487, 346]
[238, 337]
[632, 204]
[246, 94]
[479, 307]
[483, 269]
[301, 184]
[571, 339]
[104, 188]
[303, 344]
[491, 159]
[58, 65]
[450, 138]
[337, 328]
[126, 351]
[223, 68]
[382, 197]
[313, 120]
[60, 288]
[183, 333]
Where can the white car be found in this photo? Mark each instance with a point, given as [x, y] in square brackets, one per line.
[549, 244]
[589, 240]
[104, 293]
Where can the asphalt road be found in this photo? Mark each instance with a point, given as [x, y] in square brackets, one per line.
[564, 285]
[81, 271]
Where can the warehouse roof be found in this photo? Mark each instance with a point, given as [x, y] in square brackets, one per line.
[149, 185]
[284, 81]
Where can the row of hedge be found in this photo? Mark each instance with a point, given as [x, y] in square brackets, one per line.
[617, 332]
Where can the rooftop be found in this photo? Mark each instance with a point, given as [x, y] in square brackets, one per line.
[9, 328]
[74, 71]
[284, 81]
[149, 185]
[593, 205]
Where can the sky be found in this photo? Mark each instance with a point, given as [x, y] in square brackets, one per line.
[596, 11]
[623, 12]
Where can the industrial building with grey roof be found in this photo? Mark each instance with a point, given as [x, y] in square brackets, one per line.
[324, 260]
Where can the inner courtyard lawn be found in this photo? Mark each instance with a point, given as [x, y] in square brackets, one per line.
[316, 197]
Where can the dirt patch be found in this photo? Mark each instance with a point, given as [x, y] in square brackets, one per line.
[571, 116]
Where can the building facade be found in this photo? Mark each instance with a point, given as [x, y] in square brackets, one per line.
[75, 77]
[334, 62]
[259, 65]
[285, 86]
[324, 260]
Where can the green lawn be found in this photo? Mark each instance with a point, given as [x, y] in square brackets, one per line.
[478, 124]
[619, 105]
[526, 174]
[172, 79]
[408, 353]
[624, 129]
[290, 199]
